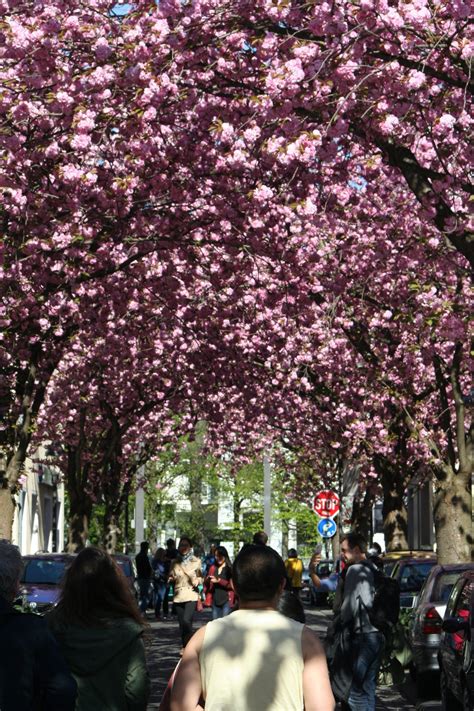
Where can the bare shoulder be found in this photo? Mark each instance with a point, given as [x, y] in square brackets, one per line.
[195, 643]
[311, 644]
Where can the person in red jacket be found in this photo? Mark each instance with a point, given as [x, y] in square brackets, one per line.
[219, 584]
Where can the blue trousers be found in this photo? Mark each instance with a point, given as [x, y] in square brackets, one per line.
[160, 593]
[144, 593]
[368, 648]
[220, 611]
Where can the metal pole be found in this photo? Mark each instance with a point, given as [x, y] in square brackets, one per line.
[267, 496]
[127, 526]
[139, 512]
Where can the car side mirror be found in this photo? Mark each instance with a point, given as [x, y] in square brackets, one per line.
[455, 624]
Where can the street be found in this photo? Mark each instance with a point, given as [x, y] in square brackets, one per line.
[163, 645]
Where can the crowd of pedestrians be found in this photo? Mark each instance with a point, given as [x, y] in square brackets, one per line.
[256, 654]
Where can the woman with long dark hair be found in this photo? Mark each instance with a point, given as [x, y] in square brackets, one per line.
[219, 583]
[99, 629]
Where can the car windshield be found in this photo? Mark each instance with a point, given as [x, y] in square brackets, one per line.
[443, 586]
[125, 566]
[43, 572]
[413, 576]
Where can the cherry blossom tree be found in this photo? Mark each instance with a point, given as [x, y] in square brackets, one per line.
[367, 90]
[276, 194]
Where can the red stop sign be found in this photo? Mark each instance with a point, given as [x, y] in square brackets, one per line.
[326, 503]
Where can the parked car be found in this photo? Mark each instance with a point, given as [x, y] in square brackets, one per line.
[411, 573]
[128, 567]
[425, 629]
[390, 559]
[456, 650]
[42, 577]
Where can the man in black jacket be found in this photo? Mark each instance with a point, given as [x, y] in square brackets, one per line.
[33, 674]
[144, 575]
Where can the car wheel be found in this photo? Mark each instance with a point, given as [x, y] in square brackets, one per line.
[448, 701]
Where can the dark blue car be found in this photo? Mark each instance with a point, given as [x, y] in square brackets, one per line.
[456, 651]
[42, 577]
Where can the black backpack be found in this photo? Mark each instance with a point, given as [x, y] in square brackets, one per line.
[385, 610]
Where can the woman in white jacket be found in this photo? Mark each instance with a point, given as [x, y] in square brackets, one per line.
[185, 574]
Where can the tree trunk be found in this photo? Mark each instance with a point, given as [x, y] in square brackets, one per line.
[7, 512]
[116, 495]
[453, 518]
[18, 436]
[395, 519]
[362, 514]
[284, 539]
[111, 531]
[79, 516]
[394, 479]
[336, 542]
[80, 502]
[453, 487]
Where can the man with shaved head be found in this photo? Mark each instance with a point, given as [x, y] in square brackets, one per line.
[255, 659]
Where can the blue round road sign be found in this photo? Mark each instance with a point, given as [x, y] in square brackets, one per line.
[327, 527]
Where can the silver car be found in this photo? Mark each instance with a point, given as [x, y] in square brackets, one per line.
[425, 629]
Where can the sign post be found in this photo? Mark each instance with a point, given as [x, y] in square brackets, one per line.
[267, 496]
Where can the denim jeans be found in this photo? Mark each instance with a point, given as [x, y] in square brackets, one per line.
[220, 611]
[368, 648]
[160, 592]
[144, 593]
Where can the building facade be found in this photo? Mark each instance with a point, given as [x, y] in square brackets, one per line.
[38, 525]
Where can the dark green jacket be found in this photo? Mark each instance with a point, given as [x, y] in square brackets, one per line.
[108, 664]
[33, 673]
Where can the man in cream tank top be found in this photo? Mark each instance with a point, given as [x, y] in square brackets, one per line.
[254, 659]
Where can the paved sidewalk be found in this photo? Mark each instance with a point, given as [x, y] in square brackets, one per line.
[388, 698]
[163, 645]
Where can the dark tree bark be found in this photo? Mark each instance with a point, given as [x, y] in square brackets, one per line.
[284, 539]
[453, 482]
[7, 511]
[111, 531]
[394, 510]
[80, 501]
[17, 436]
[362, 513]
[453, 517]
[79, 516]
[114, 490]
